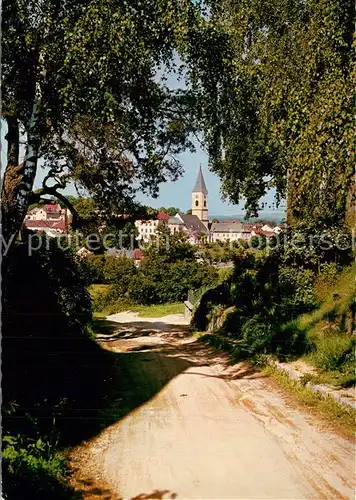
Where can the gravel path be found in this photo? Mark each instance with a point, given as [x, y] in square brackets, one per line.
[211, 431]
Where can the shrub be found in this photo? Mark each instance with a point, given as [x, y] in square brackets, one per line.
[311, 248]
[157, 282]
[119, 271]
[332, 351]
[33, 469]
[92, 269]
[257, 335]
[225, 274]
[218, 295]
[296, 290]
[329, 272]
[44, 294]
[290, 341]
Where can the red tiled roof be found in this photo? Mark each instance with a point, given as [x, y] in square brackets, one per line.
[53, 208]
[267, 234]
[250, 226]
[163, 216]
[45, 224]
[138, 255]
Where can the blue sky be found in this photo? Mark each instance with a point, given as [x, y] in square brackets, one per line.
[177, 194]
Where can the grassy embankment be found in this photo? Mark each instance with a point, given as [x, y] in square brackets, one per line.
[104, 306]
[340, 417]
[329, 329]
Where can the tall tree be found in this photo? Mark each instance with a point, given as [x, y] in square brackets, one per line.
[273, 85]
[80, 90]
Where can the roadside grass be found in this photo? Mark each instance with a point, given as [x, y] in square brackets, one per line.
[336, 301]
[339, 416]
[152, 311]
[329, 330]
[159, 310]
[224, 273]
[107, 301]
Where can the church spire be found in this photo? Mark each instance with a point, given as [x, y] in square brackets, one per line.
[200, 186]
[200, 199]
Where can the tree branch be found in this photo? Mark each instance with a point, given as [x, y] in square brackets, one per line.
[37, 196]
[13, 140]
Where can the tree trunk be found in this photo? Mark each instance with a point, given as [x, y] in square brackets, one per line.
[350, 218]
[18, 179]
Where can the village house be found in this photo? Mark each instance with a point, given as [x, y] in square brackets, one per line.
[197, 226]
[194, 225]
[50, 219]
[51, 228]
[50, 211]
[229, 231]
[135, 254]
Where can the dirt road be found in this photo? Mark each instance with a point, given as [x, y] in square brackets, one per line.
[206, 429]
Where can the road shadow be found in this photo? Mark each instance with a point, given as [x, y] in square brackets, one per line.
[85, 488]
[156, 494]
[111, 330]
[102, 381]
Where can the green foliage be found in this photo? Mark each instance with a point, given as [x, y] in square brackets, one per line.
[107, 269]
[106, 303]
[33, 469]
[109, 299]
[46, 313]
[257, 335]
[159, 310]
[53, 275]
[119, 270]
[334, 351]
[168, 247]
[169, 269]
[261, 294]
[172, 211]
[210, 298]
[80, 81]
[273, 84]
[217, 252]
[329, 272]
[297, 290]
[159, 282]
[312, 246]
[62, 271]
[224, 274]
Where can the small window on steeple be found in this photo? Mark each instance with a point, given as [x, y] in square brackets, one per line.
[196, 203]
[205, 203]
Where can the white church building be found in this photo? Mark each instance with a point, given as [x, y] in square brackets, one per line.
[197, 225]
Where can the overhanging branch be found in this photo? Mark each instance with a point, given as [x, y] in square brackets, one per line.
[37, 196]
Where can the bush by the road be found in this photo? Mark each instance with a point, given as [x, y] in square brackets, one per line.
[166, 273]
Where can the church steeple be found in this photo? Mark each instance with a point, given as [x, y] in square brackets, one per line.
[200, 199]
[200, 186]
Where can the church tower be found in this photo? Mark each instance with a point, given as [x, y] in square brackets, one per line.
[200, 199]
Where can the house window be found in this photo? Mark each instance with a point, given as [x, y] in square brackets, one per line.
[196, 203]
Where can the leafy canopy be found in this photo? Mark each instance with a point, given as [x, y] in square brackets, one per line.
[80, 89]
[273, 81]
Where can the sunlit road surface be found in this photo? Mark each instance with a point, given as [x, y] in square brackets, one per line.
[213, 430]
